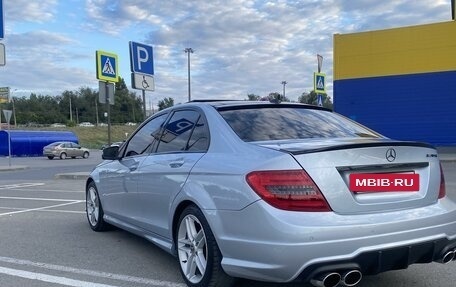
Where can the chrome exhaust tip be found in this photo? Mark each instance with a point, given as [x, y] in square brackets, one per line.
[352, 277]
[447, 257]
[331, 279]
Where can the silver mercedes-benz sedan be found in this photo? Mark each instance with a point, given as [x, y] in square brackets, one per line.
[274, 192]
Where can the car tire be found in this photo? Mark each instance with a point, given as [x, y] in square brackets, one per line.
[63, 155]
[85, 154]
[50, 157]
[197, 251]
[94, 209]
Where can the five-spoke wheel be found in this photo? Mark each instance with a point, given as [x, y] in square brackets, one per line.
[94, 210]
[198, 252]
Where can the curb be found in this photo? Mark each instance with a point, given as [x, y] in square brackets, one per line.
[13, 168]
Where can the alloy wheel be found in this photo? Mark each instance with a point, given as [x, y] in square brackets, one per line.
[192, 248]
[93, 206]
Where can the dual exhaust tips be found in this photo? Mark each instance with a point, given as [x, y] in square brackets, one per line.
[353, 277]
[332, 279]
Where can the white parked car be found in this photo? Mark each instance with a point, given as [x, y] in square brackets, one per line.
[58, 125]
[86, 124]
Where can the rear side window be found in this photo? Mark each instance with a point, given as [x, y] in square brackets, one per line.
[177, 131]
[263, 124]
[199, 141]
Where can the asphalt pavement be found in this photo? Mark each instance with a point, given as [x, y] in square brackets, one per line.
[46, 240]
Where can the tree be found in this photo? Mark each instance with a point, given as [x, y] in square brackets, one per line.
[253, 97]
[72, 107]
[165, 103]
[127, 107]
[312, 99]
[276, 97]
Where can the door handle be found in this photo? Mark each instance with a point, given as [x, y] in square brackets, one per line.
[133, 167]
[176, 164]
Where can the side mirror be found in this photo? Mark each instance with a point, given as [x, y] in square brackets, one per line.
[110, 153]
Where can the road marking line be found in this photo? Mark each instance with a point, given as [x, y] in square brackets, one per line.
[19, 185]
[45, 210]
[50, 279]
[40, 208]
[100, 274]
[39, 199]
[47, 190]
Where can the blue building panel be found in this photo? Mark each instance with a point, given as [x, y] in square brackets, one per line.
[417, 107]
[31, 143]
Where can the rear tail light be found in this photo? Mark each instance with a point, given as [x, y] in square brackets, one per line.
[288, 190]
[442, 190]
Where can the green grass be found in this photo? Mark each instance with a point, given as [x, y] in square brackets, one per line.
[94, 137]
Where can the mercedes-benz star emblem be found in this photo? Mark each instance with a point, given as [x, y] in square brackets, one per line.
[390, 155]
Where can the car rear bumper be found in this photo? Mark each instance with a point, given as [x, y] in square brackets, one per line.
[264, 243]
[377, 261]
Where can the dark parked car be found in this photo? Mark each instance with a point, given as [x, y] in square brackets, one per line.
[275, 192]
[63, 150]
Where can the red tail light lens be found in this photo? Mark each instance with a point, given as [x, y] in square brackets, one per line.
[442, 190]
[288, 190]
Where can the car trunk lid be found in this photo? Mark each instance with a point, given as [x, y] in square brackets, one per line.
[332, 162]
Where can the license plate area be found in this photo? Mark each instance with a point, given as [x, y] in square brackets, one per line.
[384, 182]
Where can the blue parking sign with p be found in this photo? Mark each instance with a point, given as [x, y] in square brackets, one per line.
[142, 60]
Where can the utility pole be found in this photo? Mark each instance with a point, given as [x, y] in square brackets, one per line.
[284, 83]
[189, 51]
[14, 113]
[14, 109]
[96, 110]
[71, 110]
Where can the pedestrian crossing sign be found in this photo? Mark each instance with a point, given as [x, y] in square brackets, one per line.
[107, 67]
[319, 83]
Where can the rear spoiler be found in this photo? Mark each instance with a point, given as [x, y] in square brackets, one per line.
[358, 145]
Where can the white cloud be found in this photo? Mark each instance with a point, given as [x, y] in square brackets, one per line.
[32, 11]
[240, 46]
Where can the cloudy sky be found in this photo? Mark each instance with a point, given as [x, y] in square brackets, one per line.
[241, 47]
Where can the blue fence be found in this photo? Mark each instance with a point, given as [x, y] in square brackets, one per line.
[31, 143]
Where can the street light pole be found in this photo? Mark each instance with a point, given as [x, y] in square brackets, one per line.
[284, 83]
[188, 51]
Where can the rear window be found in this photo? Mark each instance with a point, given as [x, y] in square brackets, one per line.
[263, 124]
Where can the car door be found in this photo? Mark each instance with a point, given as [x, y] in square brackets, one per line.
[163, 173]
[76, 150]
[67, 148]
[119, 178]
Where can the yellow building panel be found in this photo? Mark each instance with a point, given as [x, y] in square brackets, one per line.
[408, 50]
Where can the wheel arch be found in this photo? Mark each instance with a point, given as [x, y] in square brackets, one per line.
[89, 181]
[177, 213]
